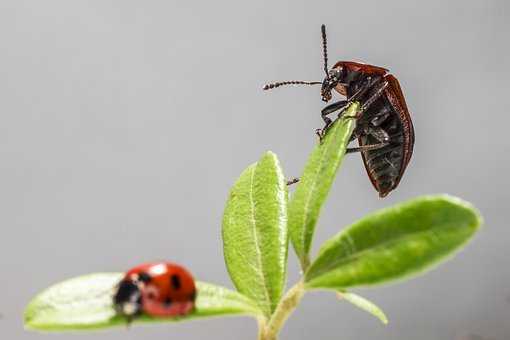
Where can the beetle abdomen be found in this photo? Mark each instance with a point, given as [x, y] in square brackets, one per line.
[384, 165]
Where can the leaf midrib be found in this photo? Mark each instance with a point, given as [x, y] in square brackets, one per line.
[256, 241]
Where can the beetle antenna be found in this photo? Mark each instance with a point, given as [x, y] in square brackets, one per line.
[291, 82]
[325, 49]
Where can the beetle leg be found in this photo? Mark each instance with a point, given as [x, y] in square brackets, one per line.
[369, 82]
[366, 147]
[381, 116]
[343, 104]
[330, 109]
[333, 107]
[292, 181]
[358, 131]
[324, 114]
[320, 134]
[378, 133]
[376, 95]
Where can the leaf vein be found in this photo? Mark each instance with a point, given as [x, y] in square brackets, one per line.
[256, 240]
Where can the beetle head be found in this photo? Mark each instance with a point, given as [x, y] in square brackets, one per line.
[332, 80]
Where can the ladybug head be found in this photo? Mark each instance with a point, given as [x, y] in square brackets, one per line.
[127, 299]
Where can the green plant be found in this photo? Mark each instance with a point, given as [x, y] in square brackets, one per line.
[259, 219]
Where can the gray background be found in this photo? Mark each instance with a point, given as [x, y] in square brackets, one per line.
[123, 125]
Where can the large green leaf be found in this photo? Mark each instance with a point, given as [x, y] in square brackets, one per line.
[313, 188]
[255, 238]
[86, 303]
[394, 243]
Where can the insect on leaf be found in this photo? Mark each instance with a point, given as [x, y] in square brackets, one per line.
[85, 302]
[311, 192]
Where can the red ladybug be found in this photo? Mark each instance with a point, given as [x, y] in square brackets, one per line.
[157, 289]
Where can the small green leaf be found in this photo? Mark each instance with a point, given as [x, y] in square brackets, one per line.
[313, 188]
[255, 238]
[85, 303]
[394, 243]
[366, 305]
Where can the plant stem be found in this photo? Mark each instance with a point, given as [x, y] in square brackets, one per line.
[284, 309]
[305, 262]
[262, 329]
[264, 336]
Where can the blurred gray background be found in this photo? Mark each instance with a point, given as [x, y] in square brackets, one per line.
[124, 123]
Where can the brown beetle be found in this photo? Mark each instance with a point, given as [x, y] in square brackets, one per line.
[383, 128]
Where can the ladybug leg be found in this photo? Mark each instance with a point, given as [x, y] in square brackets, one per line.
[129, 320]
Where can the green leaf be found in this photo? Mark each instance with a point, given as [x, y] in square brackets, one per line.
[394, 243]
[255, 238]
[85, 303]
[366, 305]
[313, 188]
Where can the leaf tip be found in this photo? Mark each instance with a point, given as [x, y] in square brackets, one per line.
[27, 319]
[363, 304]
[269, 153]
[269, 156]
[29, 316]
[477, 216]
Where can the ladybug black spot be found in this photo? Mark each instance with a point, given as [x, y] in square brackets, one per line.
[168, 301]
[175, 281]
[151, 296]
